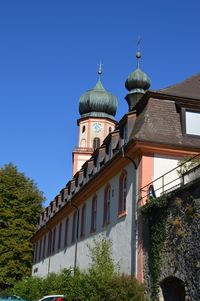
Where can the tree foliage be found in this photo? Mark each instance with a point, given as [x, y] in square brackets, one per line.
[187, 163]
[20, 206]
[102, 267]
[155, 212]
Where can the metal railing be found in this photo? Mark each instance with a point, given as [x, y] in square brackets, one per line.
[83, 149]
[168, 181]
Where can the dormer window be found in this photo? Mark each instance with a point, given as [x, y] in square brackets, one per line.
[96, 162]
[96, 142]
[125, 133]
[110, 150]
[192, 123]
[85, 172]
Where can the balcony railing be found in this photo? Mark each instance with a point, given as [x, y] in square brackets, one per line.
[83, 149]
[171, 180]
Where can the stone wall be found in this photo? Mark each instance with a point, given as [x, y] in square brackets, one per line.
[179, 277]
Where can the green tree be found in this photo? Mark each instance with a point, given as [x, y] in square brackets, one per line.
[20, 206]
[102, 267]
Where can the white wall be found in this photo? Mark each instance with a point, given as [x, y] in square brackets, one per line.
[119, 231]
[161, 165]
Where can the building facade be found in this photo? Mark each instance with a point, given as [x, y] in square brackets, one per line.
[111, 165]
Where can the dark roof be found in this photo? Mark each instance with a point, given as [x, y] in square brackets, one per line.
[160, 122]
[189, 88]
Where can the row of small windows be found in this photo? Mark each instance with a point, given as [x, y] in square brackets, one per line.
[96, 142]
[51, 242]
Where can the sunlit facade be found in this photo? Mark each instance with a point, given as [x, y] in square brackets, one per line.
[111, 164]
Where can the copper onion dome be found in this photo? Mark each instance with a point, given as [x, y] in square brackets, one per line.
[137, 83]
[98, 102]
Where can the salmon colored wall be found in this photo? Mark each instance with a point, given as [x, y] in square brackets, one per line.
[145, 176]
[89, 136]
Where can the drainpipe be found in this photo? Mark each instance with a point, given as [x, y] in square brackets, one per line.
[77, 234]
[135, 210]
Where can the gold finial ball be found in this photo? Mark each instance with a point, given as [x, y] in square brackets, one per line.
[138, 55]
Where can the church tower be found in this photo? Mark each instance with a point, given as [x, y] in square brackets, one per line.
[97, 108]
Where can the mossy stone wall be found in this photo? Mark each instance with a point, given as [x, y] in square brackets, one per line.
[179, 254]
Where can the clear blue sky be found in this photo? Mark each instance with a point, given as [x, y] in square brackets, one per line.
[49, 51]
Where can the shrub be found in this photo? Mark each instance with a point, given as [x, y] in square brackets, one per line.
[29, 288]
[123, 288]
[102, 267]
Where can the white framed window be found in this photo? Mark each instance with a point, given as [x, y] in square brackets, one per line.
[122, 193]
[192, 122]
[94, 214]
[107, 200]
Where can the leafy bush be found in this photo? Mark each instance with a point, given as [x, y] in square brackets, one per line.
[29, 288]
[102, 267]
[123, 288]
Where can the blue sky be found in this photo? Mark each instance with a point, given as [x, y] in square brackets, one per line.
[49, 52]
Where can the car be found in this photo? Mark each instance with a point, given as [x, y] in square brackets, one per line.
[11, 298]
[53, 298]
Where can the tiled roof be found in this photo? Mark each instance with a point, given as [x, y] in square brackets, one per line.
[160, 122]
[189, 88]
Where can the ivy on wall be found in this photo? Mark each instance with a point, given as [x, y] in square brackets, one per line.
[155, 213]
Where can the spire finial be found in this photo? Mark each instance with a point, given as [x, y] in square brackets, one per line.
[138, 53]
[100, 70]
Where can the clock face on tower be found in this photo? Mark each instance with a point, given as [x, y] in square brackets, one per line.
[97, 127]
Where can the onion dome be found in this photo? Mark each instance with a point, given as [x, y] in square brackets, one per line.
[137, 83]
[98, 102]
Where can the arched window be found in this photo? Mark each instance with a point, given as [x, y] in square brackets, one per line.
[59, 236]
[44, 248]
[54, 240]
[66, 232]
[83, 221]
[36, 253]
[74, 227]
[122, 192]
[107, 200]
[94, 214]
[96, 142]
[83, 129]
[40, 250]
[83, 142]
[49, 243]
